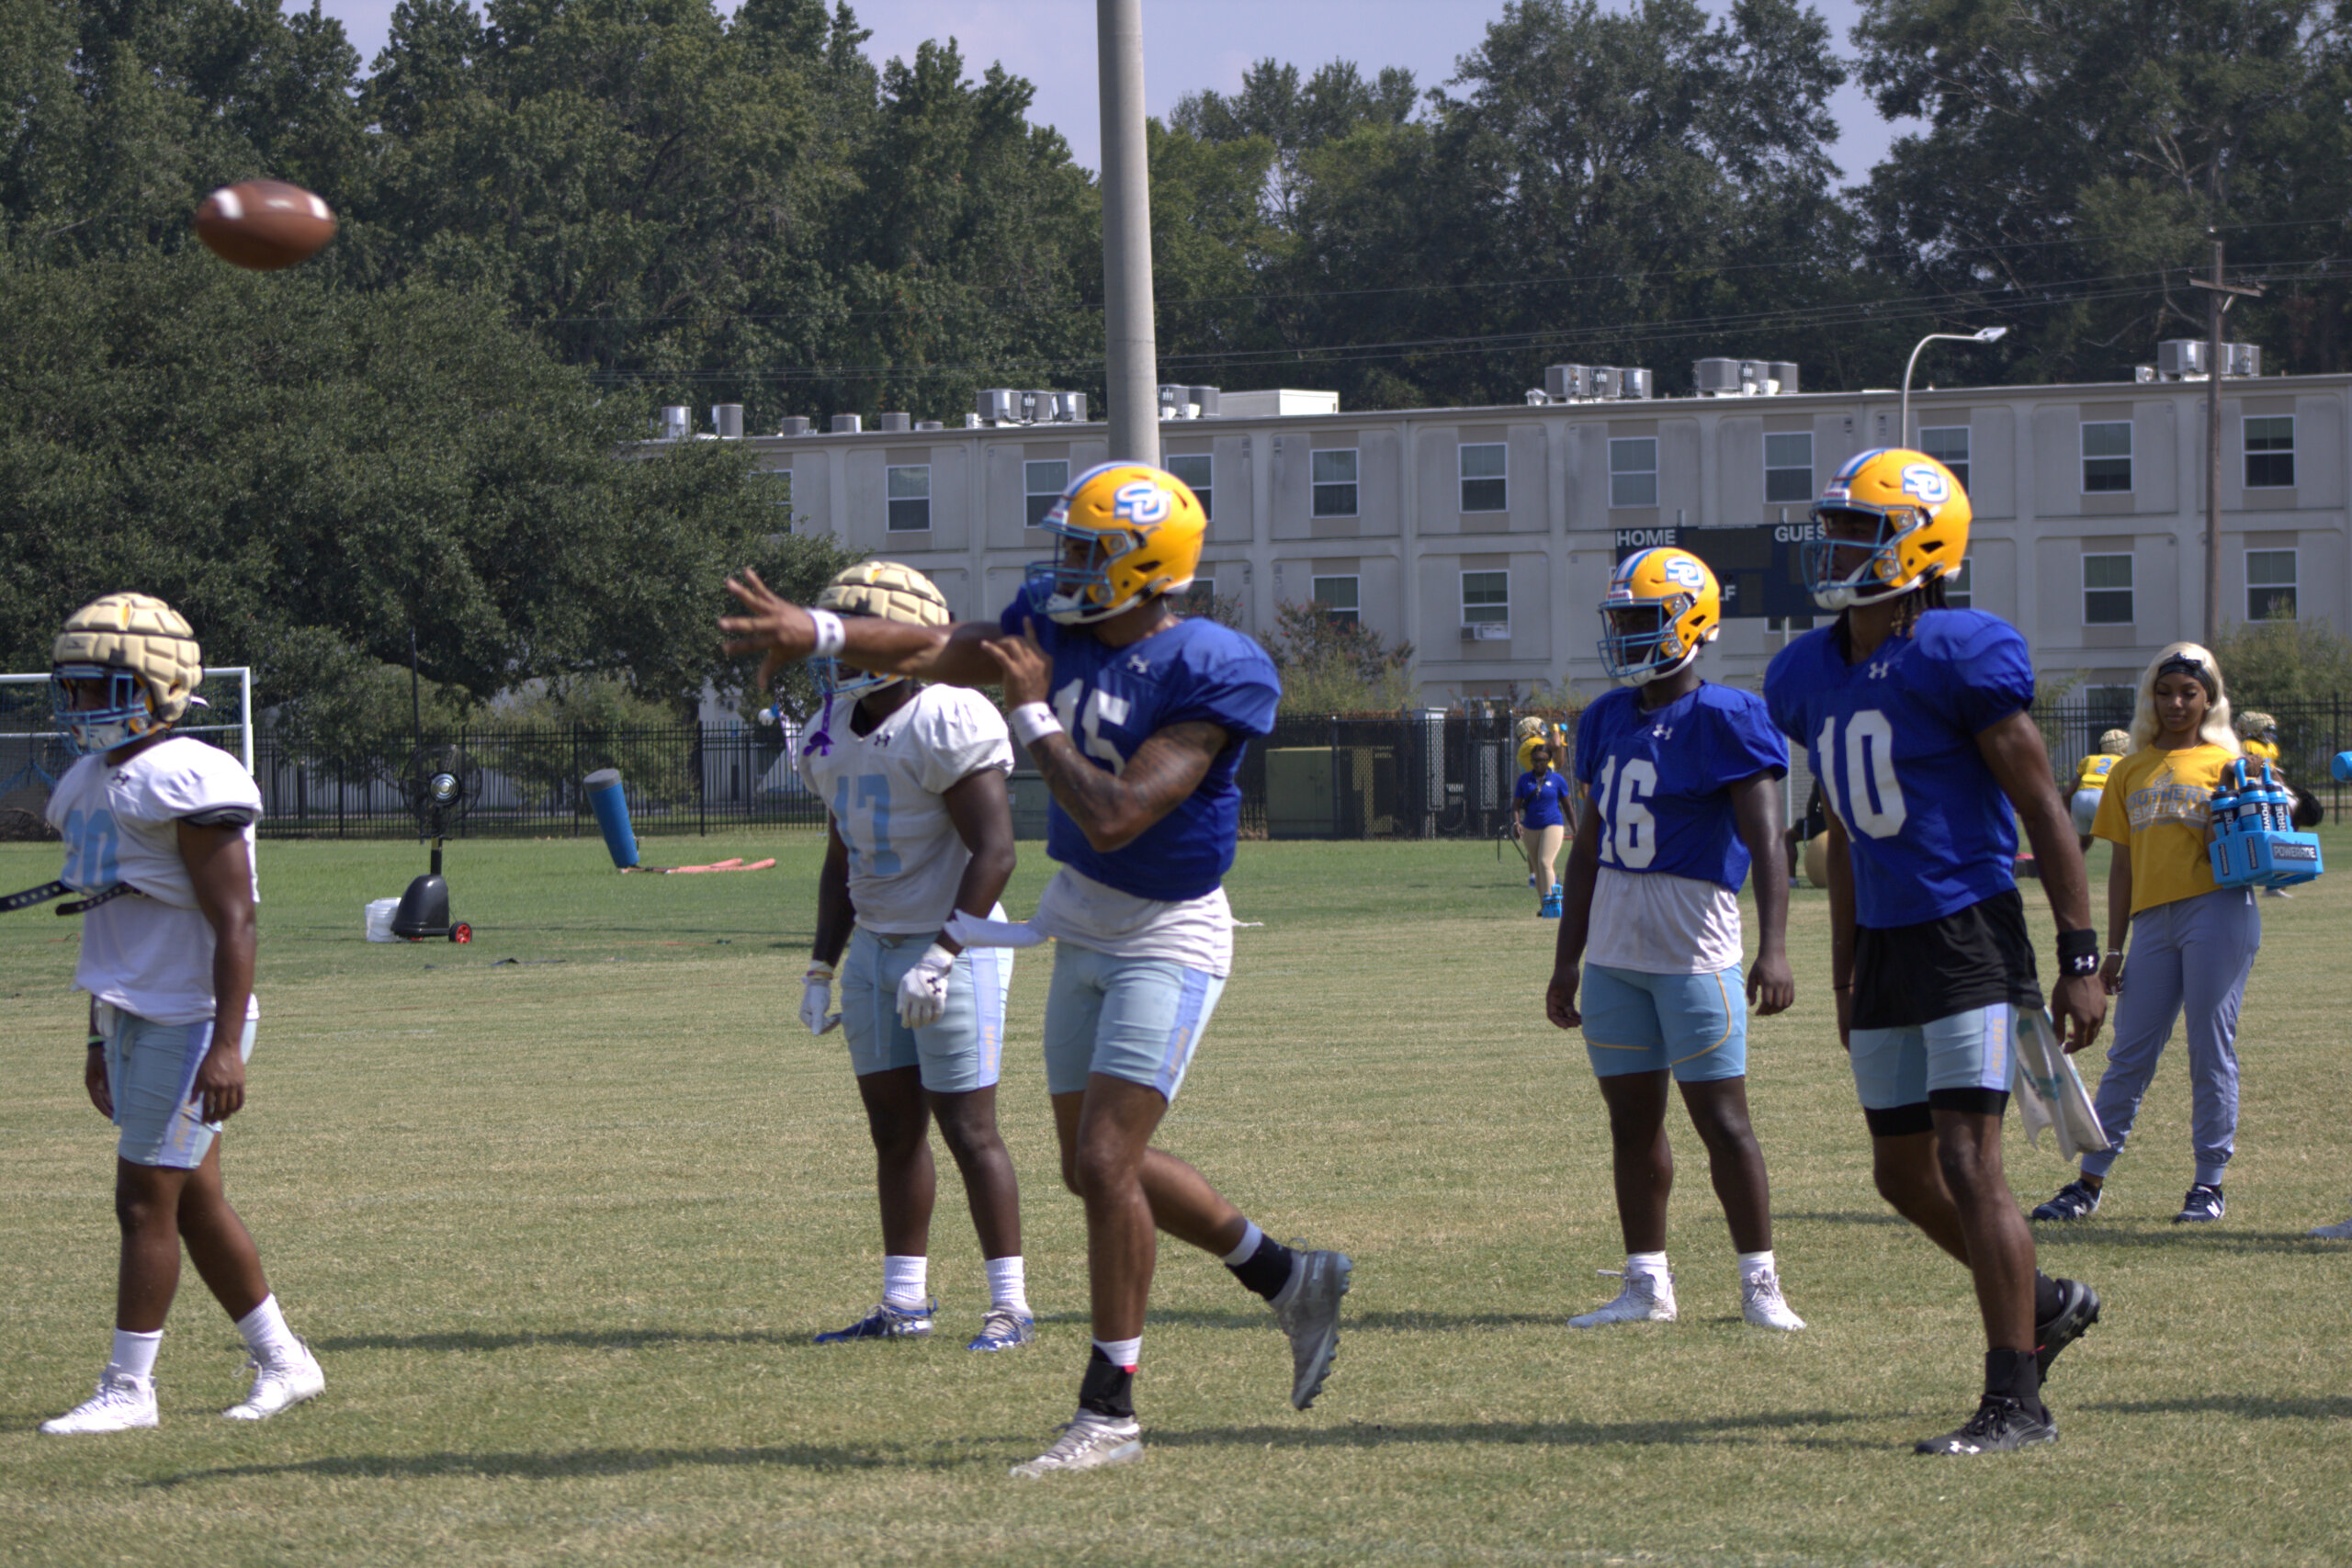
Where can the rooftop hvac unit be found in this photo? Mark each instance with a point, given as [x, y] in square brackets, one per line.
[1037, 407]
[2180, 356]
[1785, 375]
[1537, 397]
[793, 424]
[997, 405]
[2242, 359]
[1069, 408]
[894, 423]
[1566, 383]
[2143, 374]
[1717, 378]
[727, 420]
[1604, 380]
[847, 424]
[1175, 402]
[1633, 383]
[929, 425]
[1204, 401]
[674, 423]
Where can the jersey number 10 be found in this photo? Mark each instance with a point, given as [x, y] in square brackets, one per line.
[1868, 800]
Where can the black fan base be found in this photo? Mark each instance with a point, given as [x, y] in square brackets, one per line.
[424, 913]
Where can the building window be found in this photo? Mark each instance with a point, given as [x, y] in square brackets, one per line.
[1200, 598]
[1948, 444]
[2107, 590]
[1334, 482]
[2269, 584]
[2269, 451]
[1960, 591]
[2106, 458]
[1198, 470]
[1632, 471]
[1486, 598]
[1787, 467]
[1484, 482]
[1042, 484]
[2109, 707]
[909, 491]
[1336, 596]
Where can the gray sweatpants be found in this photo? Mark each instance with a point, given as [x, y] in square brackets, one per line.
[2195, 953]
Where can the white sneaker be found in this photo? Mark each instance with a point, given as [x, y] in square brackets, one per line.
[1088, 1442]
[124, 1401]
[1646, 1298]
[2334, 1233]
[279, 1386]
[1762, 1303]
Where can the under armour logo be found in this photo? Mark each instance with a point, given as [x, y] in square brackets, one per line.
[1662, 732]
[1878, 671]
[1138, 663]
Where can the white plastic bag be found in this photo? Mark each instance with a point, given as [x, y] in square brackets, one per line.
[2050, 1092]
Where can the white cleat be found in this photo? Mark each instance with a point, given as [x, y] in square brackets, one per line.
[1762, 1303]
[123, 1401]
[2334, 1233]
[1646, 1298]
[1088, 1442]
[279, 1386]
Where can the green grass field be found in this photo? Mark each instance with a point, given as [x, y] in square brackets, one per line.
[559, 1210]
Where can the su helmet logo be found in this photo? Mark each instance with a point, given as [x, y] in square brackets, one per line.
[1142, 503]
[1926, 483]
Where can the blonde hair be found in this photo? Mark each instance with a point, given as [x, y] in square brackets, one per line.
[2215, 730]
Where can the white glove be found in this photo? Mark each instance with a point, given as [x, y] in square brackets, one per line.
[923, 990]
[816, 997]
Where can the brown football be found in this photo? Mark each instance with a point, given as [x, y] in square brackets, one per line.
[264, 224]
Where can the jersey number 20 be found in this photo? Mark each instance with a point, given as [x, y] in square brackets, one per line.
[1631, 837]
[1864, 791]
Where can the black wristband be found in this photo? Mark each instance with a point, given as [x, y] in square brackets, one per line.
[2078, 953]
[97, 1043]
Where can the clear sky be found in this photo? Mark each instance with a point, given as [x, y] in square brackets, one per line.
[1191, 44]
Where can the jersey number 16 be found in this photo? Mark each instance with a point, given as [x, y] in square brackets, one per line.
[1629, 836]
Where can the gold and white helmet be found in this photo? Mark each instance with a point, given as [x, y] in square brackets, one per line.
[145, 653]
[887, 591]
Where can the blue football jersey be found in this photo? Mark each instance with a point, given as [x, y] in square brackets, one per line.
[1111, 700]
[1892, 741]
[1660, 780]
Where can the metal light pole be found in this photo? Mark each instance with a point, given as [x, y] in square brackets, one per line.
[2220, 295]
[1131, 366]
[1983, 334]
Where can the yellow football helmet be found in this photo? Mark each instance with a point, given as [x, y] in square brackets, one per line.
[1920, 517]
[1662, 605]
[145, 653]
[887, 591]
[1143, 528]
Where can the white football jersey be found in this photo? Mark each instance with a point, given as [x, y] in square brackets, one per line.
[150, 954]
[905, 856]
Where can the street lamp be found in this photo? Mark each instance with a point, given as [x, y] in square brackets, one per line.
[1983, 334]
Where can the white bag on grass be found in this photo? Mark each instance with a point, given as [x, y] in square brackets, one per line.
[2050, 1092]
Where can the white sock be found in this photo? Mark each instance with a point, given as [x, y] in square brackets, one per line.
[1126, 1354]
[135, 1353]
[1752, 1264]
[1650, 1263]
[266, 1335]
[1250, 1237]
[1008, 1284]
[903, 1281]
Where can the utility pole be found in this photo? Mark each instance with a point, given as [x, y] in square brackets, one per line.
[2218, 295]
[1131, 379]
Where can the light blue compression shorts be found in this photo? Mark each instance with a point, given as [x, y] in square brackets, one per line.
[1138, 1018]
[963, 1051]
[1695, 1025]
[1961, 1051]
[151, 1071]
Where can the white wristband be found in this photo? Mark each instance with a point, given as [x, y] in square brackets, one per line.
[1032, 722]
[830, 634]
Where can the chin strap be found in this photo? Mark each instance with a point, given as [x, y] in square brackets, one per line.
[47, 891]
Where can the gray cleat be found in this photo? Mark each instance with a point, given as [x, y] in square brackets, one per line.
[1307, 1308]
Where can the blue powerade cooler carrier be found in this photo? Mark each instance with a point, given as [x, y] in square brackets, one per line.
[2254, 846]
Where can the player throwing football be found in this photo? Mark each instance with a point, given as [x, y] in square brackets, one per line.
[919, 828]
[1914, 719]
[1680, 775]
[158, 832]
[1136, 717]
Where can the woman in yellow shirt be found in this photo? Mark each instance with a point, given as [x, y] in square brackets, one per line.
[2192, 943]
[2090, 780]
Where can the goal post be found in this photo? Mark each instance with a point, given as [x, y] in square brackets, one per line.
[34, 753]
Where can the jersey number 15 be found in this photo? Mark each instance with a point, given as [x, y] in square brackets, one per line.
[1864, 793]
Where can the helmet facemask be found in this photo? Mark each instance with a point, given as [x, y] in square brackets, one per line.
[125, 711]
[1643, 641]
[1078, 592]
[1879, 572]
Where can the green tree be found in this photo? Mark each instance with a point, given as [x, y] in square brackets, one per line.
[1333, 666]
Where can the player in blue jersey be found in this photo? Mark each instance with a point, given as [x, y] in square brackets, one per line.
[1916, 723]
[1136, 716]
[1681, 779]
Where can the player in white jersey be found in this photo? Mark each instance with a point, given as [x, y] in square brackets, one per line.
[922, 825]
[159, 837]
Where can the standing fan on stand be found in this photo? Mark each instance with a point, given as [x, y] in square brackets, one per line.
[439, 784]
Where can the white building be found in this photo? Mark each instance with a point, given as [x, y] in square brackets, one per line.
[1484, 536]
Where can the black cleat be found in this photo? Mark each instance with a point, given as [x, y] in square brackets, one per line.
[2075, 1200]
[1999, 1424]
[2202, 1205]
[2077, 1310]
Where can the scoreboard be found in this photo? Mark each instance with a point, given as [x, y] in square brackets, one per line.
[1761, 565]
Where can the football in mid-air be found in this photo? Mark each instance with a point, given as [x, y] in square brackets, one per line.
[264, 224]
